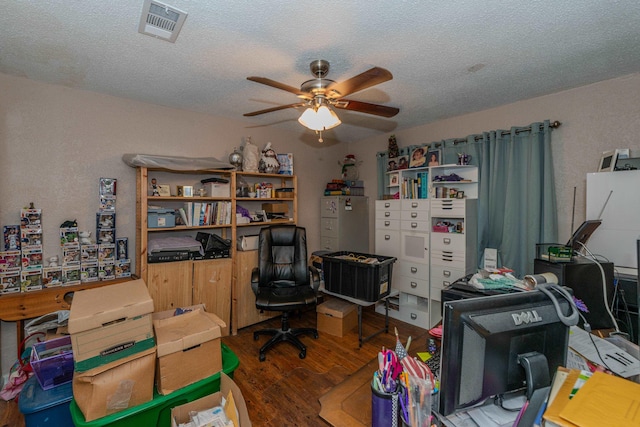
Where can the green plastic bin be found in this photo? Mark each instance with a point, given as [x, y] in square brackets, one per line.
[157, 412]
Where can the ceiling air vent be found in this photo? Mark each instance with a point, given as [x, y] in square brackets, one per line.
[161, 21]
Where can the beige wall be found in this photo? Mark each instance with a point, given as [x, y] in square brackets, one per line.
[594, 119]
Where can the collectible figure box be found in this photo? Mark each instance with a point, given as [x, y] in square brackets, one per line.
[10, 282]
[10, 261]
[336, 317]
[181, 414]
[52, 277]
[110, 322]
[188, 347]
[99, 391]
[31, 280]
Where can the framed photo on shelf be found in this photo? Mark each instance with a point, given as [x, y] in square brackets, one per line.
[417, 158]
[433, 157]
[403, 162]
[394, 179]
[392, 164]
[164, 190]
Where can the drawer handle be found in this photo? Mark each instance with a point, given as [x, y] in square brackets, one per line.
[387, 214]
[414, 225]
[446, 283]
[387, 223]
[446, 273]
[446, 241]
[414, 285]
[414, 270]
[414, 204]
[414, 214]
[387, 205]
[387, 237]
[414, 316]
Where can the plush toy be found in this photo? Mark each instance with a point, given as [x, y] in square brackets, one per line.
[269, 160]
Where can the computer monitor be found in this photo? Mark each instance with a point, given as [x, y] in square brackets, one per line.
[483, 338]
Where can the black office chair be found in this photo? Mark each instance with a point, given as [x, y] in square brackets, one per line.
[284, 282]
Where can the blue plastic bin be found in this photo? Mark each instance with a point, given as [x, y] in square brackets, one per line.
[48, 408]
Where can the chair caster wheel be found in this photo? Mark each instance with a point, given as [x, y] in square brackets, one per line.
[255, 337]
[263, 357]
[315, 335]
[303, 354]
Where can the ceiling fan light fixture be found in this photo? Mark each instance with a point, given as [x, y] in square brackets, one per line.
[319, 120]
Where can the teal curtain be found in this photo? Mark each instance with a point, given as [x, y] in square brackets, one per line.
[516, 194]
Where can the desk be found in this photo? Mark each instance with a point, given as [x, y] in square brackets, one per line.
[27, 305]
[362, 303]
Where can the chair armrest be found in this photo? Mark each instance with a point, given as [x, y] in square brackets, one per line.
[255, 279]
[315, 278]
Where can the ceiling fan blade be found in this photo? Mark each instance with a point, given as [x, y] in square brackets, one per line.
[278, 85]
[372, 77]
[365, 107]
[278, 108]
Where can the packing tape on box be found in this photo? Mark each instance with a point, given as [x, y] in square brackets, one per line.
[533, 280]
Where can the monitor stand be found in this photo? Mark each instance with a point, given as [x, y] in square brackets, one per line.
[538, 380]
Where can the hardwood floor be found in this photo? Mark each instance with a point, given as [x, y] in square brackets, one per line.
[284, 389]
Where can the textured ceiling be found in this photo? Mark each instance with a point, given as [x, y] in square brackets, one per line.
[447, 57]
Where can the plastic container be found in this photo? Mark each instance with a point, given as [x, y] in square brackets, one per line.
[45, 407]
[157, 412]
[161, 218]
[360, 280]
[52, 362]
[385, 408]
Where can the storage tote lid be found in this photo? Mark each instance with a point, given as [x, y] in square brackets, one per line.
[34, 399]
[336, 307]
[93, 308]
[161, 211]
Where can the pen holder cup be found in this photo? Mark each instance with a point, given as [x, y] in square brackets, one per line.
[418, 406]
[385, 408]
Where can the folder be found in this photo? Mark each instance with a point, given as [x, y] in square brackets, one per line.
[552, 414]
[605, 400]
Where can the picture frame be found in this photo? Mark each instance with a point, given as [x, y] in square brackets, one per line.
[433, 157]
[609, 159]
[164, 190]
[460, 195]
[394, 179]
[403, 162]
[392, 164]
[418, 159]
[185, 190]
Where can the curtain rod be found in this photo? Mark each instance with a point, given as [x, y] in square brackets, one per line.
[553, 125]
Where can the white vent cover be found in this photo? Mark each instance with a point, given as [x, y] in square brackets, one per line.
[161, 21]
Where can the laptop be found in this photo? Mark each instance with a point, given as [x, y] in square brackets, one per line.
[582, 234]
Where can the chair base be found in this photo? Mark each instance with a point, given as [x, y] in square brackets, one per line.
[285, 334]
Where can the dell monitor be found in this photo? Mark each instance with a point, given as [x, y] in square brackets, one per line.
[484, 339]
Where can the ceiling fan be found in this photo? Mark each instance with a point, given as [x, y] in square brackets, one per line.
[320, 93]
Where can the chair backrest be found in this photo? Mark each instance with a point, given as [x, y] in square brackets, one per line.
[282, 255]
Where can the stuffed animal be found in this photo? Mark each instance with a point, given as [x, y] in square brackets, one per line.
[350, 167]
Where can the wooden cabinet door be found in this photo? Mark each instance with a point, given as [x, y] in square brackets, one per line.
[212, 287]
[247, 313]
[170, 284]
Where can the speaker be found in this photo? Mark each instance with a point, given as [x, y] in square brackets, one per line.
[585, 279]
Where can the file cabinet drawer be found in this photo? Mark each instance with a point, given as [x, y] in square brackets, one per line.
[411, 285]
[414, 215]
[413, 270]
[387, 214]
[389, 205]
[445, 258]
[450, 242]
[443, 276]
[422, 226]
[329, 227]
[388, 243]
[448, 208]
[415, 205]
[387, 224]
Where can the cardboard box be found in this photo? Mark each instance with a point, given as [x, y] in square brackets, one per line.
[248, 243]
[188, 347]
[115, 386]
[181, 414]
[218, 189]
[281, 208]
[336, 317]
[109, 323]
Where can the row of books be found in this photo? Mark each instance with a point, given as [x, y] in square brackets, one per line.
[201, 213]
[415, 188]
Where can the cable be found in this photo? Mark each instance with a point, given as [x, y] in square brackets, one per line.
[572, 318]
[604, 285]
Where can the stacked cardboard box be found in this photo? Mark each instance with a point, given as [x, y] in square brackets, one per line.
[188, 347]
[114, 348]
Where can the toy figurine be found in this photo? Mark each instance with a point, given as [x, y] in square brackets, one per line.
[85, 237]
[154, 187]
[53, 261]
[350, 167]
[269, 160]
